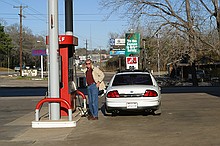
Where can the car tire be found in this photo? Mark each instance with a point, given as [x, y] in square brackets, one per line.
[158, 111]
[106, 112]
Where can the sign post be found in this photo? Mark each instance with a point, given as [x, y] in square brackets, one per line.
[41, 53]
[42, 66]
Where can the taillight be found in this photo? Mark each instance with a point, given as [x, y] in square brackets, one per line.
[150, 93]
[113, 94]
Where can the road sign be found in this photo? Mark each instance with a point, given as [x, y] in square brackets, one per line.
[131, 62]
[112, 42]
[39, 52]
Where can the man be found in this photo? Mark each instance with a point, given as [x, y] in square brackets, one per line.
[94, 80]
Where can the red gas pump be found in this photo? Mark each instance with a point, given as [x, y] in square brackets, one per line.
[66, 50]
[65, 58]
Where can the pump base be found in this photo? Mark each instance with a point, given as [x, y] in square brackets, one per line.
[53, 124]
[62, 123]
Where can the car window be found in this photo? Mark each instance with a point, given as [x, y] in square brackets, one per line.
[132, 79]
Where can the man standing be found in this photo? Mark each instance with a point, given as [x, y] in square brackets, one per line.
[94, 80]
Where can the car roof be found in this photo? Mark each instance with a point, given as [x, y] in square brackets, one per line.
[132, 72]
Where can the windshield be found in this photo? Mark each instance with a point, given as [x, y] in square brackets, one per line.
[132, 79]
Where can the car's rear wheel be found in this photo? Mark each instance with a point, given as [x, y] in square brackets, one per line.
[158, 111]
[107, 112]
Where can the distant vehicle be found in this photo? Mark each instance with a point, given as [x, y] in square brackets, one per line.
[27, 67]
[17, 68]
[133, 91]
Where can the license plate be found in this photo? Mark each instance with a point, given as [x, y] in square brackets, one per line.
[131, 105]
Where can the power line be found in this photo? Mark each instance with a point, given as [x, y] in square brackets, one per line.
[73, 20]
[42, 14]
[8, 13]
[7, 3]
[17, 2]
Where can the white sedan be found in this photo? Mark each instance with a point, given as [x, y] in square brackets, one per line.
[133, 90]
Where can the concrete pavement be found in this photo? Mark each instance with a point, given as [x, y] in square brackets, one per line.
[18, 130]
[187, 119]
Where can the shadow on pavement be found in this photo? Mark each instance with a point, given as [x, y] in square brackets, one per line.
[22, 91]
[215, 91]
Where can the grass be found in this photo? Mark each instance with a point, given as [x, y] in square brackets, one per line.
[5, 69]
[23, 78]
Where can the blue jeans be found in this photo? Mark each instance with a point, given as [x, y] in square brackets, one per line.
[93, 99]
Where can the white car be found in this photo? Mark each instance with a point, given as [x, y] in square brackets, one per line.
[133, 90]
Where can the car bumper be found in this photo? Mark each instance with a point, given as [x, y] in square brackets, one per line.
[138, 103]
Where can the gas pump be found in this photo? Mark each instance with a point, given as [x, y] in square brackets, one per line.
[66, 71]
[66, 50]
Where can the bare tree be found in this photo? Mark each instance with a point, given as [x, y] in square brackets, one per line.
[215, 12]
[30, 41]
[182, 15]
[186, 17]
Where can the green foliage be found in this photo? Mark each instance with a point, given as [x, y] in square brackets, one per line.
[29, 42]
[5, 42]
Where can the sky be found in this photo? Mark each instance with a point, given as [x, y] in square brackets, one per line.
[88, 18]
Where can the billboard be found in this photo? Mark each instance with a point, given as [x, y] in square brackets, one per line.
[117, 46]
[117, 52]
[117, 42]
[132, 44]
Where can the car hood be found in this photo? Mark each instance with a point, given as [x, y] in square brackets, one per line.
[133, 89]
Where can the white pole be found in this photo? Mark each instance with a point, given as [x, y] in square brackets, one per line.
[42, 66]
[54, 64]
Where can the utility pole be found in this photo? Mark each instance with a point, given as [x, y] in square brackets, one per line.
[158, 55]
[144, 64]
[21, 15]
